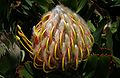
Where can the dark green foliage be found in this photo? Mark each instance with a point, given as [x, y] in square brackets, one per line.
[10, 54]
[102, 17]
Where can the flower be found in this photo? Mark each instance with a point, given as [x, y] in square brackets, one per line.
[60, 39]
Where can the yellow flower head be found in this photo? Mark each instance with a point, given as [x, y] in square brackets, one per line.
[60, 39]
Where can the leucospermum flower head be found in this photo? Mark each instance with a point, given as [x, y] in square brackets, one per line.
[59, 40]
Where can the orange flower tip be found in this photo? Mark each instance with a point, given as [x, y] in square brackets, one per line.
[63, 61]
[17, 37]
[19, 27]
[44, 68]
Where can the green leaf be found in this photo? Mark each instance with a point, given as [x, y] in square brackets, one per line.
[117, 1]
[89, 11]
[97, 33]
[3, 49]
[29, 2]
[90, 75]
[5, 64]
[109, 42]
[102, 70]
[81, 5]
[115, 25]
[25, 7]
[28, 67]
[2, 76]
[50, 1]
[117, 61]
[45, 8]
[90, 65]
[26, 70]
[9, 54]
[91, 26]
[24, 12]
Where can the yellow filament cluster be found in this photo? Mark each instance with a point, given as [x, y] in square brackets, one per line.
[60, 38]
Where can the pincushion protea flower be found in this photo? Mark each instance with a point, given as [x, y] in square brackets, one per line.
[60, 39]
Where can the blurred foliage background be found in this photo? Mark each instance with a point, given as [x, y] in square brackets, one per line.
[102, 17]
